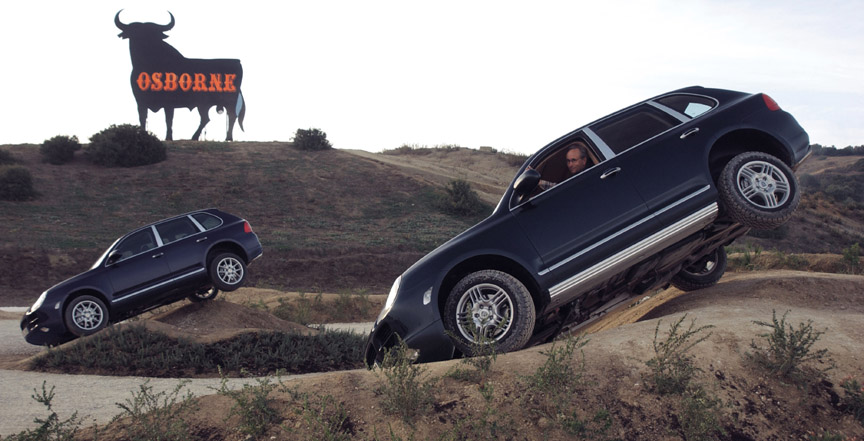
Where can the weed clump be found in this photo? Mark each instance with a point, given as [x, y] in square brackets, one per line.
[160, 415]
[311, 139]
[698, 415]
[59, 150]
[558, 375]
[253, 405]
[853, 398]
[16, 184]
[405, 392]
[125, 146]
[460, 199]
[789, 349]
[52, 427]
[672, 367]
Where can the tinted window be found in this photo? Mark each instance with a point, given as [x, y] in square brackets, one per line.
[624, 131]
[136, 243]
[689, 105]
[208, 221]
[176, 229]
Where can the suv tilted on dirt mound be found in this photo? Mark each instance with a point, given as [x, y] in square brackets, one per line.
[634, 201]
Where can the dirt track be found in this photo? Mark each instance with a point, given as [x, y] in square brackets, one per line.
[833, 302]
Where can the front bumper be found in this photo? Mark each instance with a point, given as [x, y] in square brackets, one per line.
[431, 342]
[39, 328]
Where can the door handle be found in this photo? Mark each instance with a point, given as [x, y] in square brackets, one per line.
[156, 256]
[692, 131]
[610, 172]
[201, 240]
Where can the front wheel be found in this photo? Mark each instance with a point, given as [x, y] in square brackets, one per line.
[227, 271]
[758, 190]
[86, 315]
[703, 273]
[489, 307]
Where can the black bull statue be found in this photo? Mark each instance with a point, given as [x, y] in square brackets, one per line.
[162, 78]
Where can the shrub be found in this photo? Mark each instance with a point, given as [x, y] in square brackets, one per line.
[6, 158]
[852, 257]
[672, 368]
[558, 375]
[16, 184]
[788, 348]
[698, 415]
[253, 405]
[152, 416]
[52, 428]
[853, 398]
[59, 149]
[311, 139]
[405, 392]
[460, 199]
[124, 146]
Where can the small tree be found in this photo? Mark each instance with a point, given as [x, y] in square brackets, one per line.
[16, 184]
[461, 200]
[125, 146]
[311, 139]
[59, 149]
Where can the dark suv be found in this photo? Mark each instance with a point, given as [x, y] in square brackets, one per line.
[193, 255]
[659, 189]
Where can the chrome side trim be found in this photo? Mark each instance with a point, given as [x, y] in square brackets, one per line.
[580, 283]
[199, 270]
[630, 227]
[679, 116]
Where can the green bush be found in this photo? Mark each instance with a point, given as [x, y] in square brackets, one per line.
[124, 146]
[788, 349]
[152, 415]
[16, 184]
[59, 149]
[405, 392]
[6, 158]
[253, 405]
[672, 367]
[311, 139]
[51, 428]
[460, 199]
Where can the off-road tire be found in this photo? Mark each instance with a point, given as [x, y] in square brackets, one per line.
[703, 273]
[758, 190]
[482, 297]
[227, 272]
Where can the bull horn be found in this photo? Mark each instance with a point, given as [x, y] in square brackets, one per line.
[169, 25]
[118, 23]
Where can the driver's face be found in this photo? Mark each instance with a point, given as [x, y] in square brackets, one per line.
[575, 161]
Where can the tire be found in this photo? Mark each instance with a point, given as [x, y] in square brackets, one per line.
[227, 271]
[85, 315]
[703, 273]
[492, 302]
[204, 294]
[758, 190]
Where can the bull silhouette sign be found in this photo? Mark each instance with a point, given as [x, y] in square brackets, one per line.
[162, 78]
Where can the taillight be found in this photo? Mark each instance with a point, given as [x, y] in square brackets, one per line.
[246, 227]
[770, 103]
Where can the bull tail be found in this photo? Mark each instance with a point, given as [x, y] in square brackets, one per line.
[241, 109]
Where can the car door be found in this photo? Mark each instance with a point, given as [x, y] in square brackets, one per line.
[581, 221]
[184, 250]
[666, 151]
[141, 271]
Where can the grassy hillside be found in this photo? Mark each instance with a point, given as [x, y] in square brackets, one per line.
[328, 220]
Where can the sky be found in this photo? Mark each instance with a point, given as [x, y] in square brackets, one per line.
[375, 75]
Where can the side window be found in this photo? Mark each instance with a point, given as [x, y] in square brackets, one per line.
[176, 229]
[136, 243]
[690, 105]
[208, 221]
[633, 127]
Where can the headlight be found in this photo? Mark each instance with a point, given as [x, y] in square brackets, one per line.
[392, 296]
[39, 301]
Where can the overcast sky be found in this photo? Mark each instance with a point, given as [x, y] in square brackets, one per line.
[378, 74]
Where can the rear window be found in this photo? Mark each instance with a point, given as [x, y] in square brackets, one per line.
[690, 105]
[176, 229]
[633, 127]
[208, 221]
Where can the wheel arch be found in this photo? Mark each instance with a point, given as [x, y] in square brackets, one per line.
[490, 262]
[226, 246]
[744, 140]
[87, 292]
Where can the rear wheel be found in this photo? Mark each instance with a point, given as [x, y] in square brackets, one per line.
[227, 271]
[204, 294]
[758, 190]
[85, 315]
[703, 273]
[490, 307]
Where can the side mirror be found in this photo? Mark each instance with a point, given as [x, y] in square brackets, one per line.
[526, 183]
[113, 257]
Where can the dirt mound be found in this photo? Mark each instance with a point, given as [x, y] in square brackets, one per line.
[218, 319]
